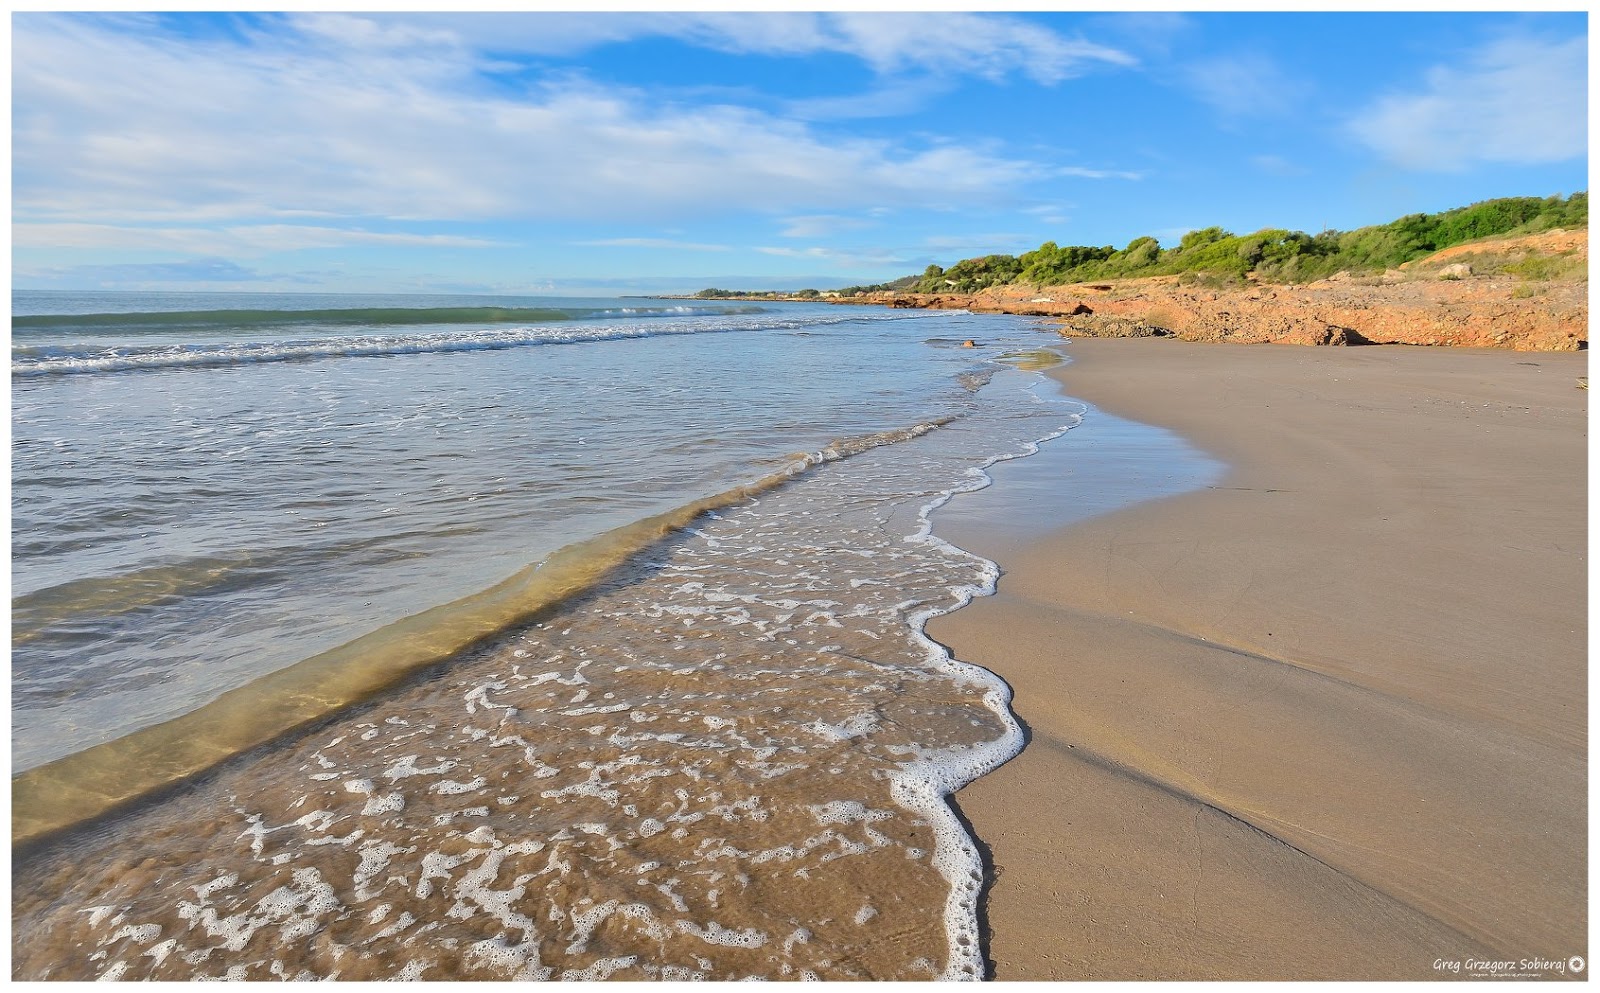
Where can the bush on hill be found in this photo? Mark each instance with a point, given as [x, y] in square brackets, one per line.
[1272, 254]
[971, 275]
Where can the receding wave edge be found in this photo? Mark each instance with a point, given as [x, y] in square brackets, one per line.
[110, 776]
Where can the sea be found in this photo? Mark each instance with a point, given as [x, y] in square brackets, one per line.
[416, 637]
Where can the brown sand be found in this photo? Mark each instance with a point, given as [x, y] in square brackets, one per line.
[1325, 719]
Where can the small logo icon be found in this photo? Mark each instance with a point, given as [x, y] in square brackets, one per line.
[1576, 963]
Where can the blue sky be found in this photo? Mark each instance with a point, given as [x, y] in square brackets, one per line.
[658, 152]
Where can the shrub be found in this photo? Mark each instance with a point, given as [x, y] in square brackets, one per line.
[1272, 253]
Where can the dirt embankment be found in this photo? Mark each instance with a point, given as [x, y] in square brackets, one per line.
[1528, 294]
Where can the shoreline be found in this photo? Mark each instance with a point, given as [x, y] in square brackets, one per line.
[542, 735]
[1324, 719]
[71, 793]
[1472, 295]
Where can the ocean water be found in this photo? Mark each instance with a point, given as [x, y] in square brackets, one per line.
[496, 637]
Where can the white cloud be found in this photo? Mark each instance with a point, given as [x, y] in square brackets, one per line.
[209, 273]
[840, 256]
[897, 98]
[1517, 100]
[357, 31]
[985, 243]
[1080, 172]
[1053, 214]
[684, 246]
[251, 239]
[1244, 85]
[986, 45]
[360, 121]
[821, 225]
[1155, 32]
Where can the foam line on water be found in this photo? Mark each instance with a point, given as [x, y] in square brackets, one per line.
[926, 783]
[90, 783]
[169, 320]
[81, 359]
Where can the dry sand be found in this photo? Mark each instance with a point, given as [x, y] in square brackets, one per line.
[1324, 719]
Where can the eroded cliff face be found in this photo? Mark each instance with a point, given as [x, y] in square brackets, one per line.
[1463, 296]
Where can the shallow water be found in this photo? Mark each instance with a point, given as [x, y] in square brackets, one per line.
[722, 755]
[182, 530]
[726, 762]
[1109, 464]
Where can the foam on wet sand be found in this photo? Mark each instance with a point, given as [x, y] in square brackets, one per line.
[710, 767]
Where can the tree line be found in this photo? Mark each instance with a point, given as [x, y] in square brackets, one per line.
[1272, 254]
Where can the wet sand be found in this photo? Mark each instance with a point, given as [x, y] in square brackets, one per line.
[726, 760]
[1323, 719]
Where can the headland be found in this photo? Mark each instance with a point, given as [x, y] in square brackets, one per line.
[1477, 295]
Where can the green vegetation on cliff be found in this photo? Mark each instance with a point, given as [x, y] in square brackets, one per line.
[1271, 254]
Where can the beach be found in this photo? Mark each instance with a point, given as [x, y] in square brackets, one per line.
[1324, 719]
[1295, 636]
[724, 496]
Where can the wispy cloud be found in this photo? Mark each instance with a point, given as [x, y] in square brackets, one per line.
[1243, 85]
[986, 243]
[579, 286]
[683, 246]
[899, 97]
[235, 240]
[1082, 172]
[1050, 213]
[135, 274]
[986, 45]
[822, 225]
[1156, 33]
[1517, 100]
[359, 31]
[172, 128]
[839, 256]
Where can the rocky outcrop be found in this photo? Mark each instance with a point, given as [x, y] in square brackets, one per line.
[1110, 326]
[1411, 307]
[1463, 312]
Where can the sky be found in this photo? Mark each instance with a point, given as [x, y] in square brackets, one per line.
[618, 153]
